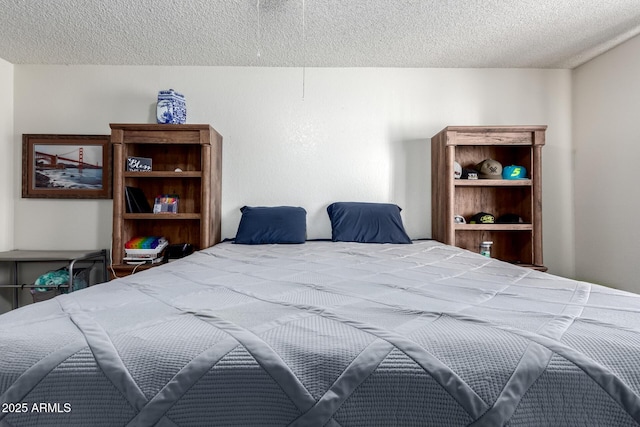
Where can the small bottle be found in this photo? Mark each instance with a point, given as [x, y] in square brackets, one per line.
[485, 248]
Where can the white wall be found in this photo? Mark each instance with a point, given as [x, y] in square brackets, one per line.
[606, 129]
[7, 158]
[6, 174]
[358, 134]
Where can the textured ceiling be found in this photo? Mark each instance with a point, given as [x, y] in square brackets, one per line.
[315, 33]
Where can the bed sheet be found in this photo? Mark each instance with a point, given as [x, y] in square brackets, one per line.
[324, 333]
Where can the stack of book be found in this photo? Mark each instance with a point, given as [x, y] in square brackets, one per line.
[145, 250]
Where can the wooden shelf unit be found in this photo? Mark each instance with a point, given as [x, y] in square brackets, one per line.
[469, 145]
[194, 149]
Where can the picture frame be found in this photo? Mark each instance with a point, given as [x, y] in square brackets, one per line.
[66, 166]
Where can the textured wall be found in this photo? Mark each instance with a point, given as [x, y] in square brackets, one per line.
[358, 134]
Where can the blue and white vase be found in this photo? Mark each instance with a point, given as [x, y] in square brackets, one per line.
[171, 108]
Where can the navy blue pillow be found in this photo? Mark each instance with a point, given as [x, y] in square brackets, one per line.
[366, 223]
[272, 224]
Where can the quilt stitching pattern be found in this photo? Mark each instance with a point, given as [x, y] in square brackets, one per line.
[334, 334]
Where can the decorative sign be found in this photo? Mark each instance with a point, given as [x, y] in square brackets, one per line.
[139, 164]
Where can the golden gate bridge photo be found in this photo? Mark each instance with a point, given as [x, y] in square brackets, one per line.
[68, 166]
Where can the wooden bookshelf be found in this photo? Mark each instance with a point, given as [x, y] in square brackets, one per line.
[186, 161]
[469, 145]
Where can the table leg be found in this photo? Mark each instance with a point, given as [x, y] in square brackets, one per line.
[16, 290]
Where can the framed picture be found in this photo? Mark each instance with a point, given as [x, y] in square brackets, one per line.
[66, 166]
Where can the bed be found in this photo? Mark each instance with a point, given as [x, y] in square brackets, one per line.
[369, 328]
[326, 333]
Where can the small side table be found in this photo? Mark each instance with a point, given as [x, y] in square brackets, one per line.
[33, 256]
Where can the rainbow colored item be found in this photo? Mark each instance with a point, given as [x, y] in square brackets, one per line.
[148, 242]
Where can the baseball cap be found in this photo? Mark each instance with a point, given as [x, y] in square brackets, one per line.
[482, 218]
[514, 172]
[457, 170]
[459, 219]
[509, 218]
[489, 169]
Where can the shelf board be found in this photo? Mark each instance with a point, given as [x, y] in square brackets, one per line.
[121, 270]
[492, 182]
[126, 266]
[164, 174]
[493, 227]
[162, 216]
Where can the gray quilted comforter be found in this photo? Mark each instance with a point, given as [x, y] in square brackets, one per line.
[335, 334]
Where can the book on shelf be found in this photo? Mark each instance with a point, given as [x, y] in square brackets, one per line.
[145, 250]
[133, 260]
[136, 201]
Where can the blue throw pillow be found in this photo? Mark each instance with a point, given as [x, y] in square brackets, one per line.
[272, 224]
[366, 223]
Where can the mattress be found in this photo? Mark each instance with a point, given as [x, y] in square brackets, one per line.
[326, 334]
